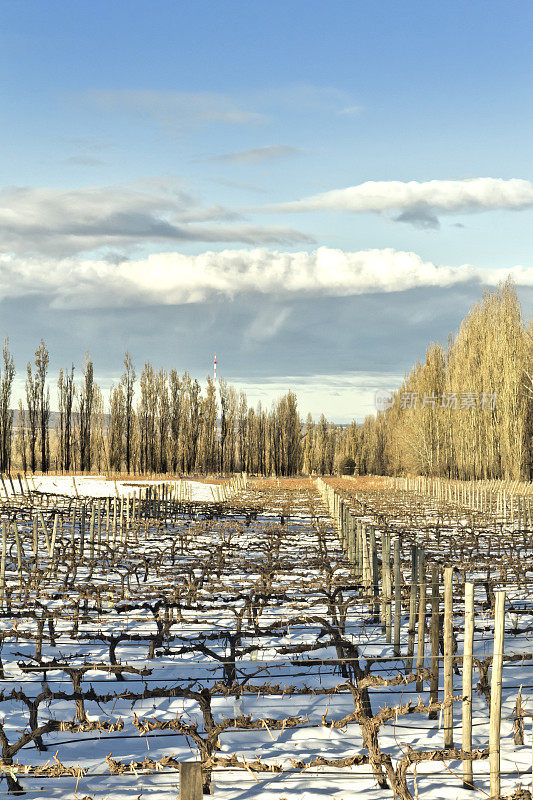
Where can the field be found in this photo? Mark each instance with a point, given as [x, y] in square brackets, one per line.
[300, 638]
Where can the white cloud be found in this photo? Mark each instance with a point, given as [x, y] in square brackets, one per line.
[174, 278]
[64, 222]
[420, 202]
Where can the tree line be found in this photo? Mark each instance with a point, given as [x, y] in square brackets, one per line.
[155, 422]
[465, 412]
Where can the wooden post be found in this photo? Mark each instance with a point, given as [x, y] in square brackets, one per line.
[53, 540]
[468, 650]
[91, 532]
[342, 525]
[45, 531]
[82, 529]
[3, 562]
[359, 549]
[397, 597]
[190, 780]
[108, 512]
[518, 723]
[73, 527]
[434, 639]
[421, 618]
[114, 526]
[375, 572]
[496, 695]
[19, 553]
[99, 526]
[367, 575]
[121, 520]
[448, 657]
[387, 586]
[351, 544]
[35, 538]
[412, 610]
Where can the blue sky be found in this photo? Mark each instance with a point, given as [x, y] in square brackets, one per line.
[139, 137]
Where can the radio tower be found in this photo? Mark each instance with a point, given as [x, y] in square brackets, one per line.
[215, 369]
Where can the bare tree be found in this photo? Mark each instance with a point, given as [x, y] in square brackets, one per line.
[128, 383]
[42, 359]
[117, 416]
[6, 415]
[66, 391]
[86, 408]
[32, 400]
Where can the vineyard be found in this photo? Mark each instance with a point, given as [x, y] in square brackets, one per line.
[272, 638]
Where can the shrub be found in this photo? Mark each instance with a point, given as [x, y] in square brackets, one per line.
[345, 465]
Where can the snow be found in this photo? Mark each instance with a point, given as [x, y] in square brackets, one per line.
[314, 737]
[99, 486]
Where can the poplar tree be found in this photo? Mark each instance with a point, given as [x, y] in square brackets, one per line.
[42, 359]
[66, 393]
[86, 409]
[6, 415]
[128, 383]
[117, 415]
[32, 400]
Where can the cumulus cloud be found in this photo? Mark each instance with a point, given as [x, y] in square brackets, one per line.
[420, 203]
[65, 222]
[175, 278]
[257, 155]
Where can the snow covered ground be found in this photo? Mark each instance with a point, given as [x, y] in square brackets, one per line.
[99, 486]
[217, 565]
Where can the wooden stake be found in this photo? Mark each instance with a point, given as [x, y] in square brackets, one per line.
[518, 723]
[412, 610]
[496, 695]
[53, 541]
[19, 552]
[421, 618]
[359, 549]
[448, 657]
[434, 639]
[3, 562]
[35, 539]
[82, 530]
[190, 780]
[45, 531]
[468, 650]
[91, 532]
[375, 572]
[387, 586]
[397, 597]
